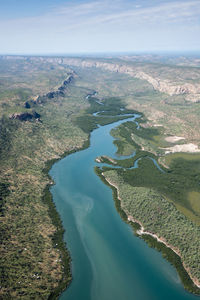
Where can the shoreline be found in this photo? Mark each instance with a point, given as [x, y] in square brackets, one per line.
[141, 232]
[62, 246]
[47, 198]
[64, 284]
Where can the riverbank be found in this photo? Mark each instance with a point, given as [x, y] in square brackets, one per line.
[31, 247]
[83, 201]
[176, 261]
[82, 121]
[162, 240]
[189, 282]
[57, 222]
[30, 262]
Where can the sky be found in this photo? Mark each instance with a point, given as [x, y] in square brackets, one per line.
[99, 26]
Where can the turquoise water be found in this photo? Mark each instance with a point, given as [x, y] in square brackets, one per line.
[108, 261]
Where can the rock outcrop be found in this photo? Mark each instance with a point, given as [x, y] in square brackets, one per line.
[27, 105]
[166, 86]
[191, 90]
[60, 92]
[26, 116]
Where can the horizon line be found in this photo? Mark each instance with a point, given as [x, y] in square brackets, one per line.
[102, 53]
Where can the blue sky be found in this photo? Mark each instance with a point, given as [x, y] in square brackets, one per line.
[63, 27]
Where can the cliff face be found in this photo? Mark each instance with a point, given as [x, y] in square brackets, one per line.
[191, 90]
[166, 86]
[60, 92]
[32, 115]
[25, 116]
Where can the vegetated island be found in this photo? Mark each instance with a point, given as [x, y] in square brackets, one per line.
[45, 114]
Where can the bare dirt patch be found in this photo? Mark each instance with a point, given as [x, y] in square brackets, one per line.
[174, 139]
[192, 148]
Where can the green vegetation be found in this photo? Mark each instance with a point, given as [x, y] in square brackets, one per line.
[168, 159]
[7, 130]
[122, 213]
[129, 137]
[166, 203]
[176, 183]
[34, 260]
[175, 260]
[162, 218]
[4, 192]
[88, 122]
[127, 162]
[58, 243]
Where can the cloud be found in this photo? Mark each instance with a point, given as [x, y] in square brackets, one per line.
[99, 19]
[100, 12]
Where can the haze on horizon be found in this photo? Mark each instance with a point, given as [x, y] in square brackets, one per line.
[100, 26]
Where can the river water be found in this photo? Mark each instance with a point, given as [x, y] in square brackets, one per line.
[108, 261]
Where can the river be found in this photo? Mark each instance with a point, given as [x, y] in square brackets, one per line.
[108, 261]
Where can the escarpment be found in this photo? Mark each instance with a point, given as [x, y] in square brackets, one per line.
[59, 92]
[187, 86]
[32, 115]
[161, 84]
[26, 116]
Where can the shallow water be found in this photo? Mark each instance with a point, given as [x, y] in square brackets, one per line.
[108, 261]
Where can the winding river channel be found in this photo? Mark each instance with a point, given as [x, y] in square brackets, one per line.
[108, 261]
